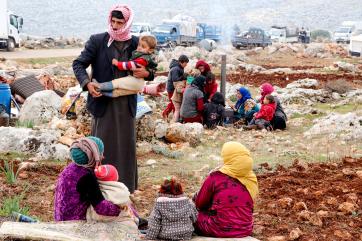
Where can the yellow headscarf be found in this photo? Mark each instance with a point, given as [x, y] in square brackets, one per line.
[238, 164]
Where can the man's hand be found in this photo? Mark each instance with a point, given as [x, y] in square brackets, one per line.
[141, 73]
[115, 62]
[93, 89]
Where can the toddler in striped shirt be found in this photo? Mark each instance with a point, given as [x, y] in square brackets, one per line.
[130, 85]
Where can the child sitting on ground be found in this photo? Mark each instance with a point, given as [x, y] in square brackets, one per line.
[173, 216]
[214, 111]
[262, 118]
[129, 85]
[250, 107]
[115, 192]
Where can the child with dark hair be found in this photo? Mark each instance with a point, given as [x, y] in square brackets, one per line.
[214, 111]
[262, 118]
[173, 215]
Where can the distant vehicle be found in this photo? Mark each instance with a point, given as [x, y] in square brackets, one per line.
[282, 34]
[138, 29]
[180, 30]
[254, 37]
[10, 26]
[355, 46]
[205, 31]
[347, 29]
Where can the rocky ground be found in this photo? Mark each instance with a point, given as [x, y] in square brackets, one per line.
[300, 170]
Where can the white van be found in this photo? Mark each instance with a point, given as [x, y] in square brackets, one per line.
[138, 29]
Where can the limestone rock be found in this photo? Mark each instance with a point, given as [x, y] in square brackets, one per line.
[143, 148]
[145, 128]
[251, 68]
[40, 107]
[160, 129]
[151, 162]
[345, 66]
[314, 49]
[41, 143]
[303, 83]
[350, 125]
[189, 132]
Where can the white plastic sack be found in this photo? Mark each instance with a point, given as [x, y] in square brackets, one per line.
[142, 107]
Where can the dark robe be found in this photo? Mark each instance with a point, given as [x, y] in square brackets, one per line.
[117, 129]
[113, 118]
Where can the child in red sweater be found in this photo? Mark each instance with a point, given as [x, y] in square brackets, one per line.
[129, 85]
[263, 117]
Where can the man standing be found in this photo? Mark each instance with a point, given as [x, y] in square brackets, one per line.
[113, 119]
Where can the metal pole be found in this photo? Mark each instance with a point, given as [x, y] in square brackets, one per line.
[223, 74]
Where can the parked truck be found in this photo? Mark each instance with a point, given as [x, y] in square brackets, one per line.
[10, 26]
[254, 37]
[207, 31]
[180, 30]
[355, 46]
[282, 34]
[346, 30]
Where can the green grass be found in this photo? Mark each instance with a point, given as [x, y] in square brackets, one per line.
[343, 109]
[310, 117]
[46, 61]
[12, 204]
[8, 169]
[26, 124]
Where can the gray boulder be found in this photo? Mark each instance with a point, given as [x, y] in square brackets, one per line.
[43, 144]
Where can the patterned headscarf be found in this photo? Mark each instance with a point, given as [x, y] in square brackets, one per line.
[87, 151]
[124, 33]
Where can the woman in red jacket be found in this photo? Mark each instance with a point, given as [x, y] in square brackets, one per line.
[211, 85]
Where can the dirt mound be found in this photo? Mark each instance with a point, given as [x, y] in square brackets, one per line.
[322, 200]
[282, 79]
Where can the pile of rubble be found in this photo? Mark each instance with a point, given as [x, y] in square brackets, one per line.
[303, 92]
[195, 53]
[30, 42]
[317, 50]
